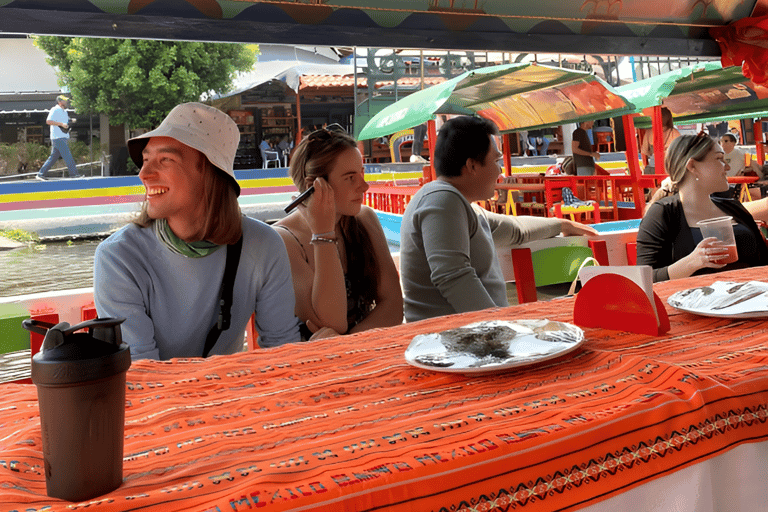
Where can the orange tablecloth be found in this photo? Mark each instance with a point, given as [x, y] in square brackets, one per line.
[346, 424]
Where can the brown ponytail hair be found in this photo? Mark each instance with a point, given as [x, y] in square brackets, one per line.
[314, 158]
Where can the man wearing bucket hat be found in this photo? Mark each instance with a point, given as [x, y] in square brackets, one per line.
[58, 120]
[167, 273]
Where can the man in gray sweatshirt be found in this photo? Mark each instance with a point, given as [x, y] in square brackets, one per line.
[448, 261]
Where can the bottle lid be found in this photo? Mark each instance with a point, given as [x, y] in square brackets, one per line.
[69, 357]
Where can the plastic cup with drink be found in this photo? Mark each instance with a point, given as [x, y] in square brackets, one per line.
[722, 229]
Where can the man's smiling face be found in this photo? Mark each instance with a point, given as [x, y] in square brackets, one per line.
[172, 174]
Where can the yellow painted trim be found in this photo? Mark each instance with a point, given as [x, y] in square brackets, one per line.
[388, 176]
[264, 182]
[72, 194]
[139, 189]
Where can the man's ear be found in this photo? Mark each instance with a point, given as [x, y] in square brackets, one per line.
[469, 167]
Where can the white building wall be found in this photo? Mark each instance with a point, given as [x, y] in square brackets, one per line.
[23, 67]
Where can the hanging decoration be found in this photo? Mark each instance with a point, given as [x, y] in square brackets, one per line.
[745, 43]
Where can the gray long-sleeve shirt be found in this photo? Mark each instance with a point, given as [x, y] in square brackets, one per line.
[448, 261]
[169, 300]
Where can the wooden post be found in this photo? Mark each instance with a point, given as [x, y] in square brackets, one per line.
[298, 116]
[658, 141]
[507, 154]
[432, 136]
[757, 127]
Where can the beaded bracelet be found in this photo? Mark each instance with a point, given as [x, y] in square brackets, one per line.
[329, 234]
[322, 240]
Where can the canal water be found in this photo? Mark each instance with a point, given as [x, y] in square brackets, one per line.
[59, 266]
[42, 268]
[47, 267]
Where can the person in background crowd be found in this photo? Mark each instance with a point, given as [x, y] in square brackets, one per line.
[165, 272]
[344, 277]
[737, 161]
[419, 132]
[669, 132]
[583, 156]
[536, 138]
[58, 120]
[668, 239]
[737, 158]
[448, 261]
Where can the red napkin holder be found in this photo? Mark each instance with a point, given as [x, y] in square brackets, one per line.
[611, 301]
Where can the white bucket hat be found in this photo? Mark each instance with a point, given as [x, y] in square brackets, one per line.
[201, 127]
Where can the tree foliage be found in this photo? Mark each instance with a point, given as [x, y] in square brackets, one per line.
[138, 82]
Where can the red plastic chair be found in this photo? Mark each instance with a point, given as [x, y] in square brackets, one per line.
[631, 253]
[252, 337]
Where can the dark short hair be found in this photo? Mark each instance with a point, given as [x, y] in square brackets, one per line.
[730, 136]
[459, 139]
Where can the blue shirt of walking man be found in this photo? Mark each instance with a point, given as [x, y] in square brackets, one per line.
[58, 120]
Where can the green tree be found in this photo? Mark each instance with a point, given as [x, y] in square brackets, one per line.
[137, 82]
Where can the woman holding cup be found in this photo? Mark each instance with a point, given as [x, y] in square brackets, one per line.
[670, 238]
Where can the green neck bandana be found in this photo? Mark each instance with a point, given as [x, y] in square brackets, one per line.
[179, 246]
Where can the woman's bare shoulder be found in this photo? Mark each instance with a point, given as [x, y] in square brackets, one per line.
[368, 218]
[293, 226]
[367, 214]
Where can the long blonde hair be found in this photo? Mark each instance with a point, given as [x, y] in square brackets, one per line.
[682, 149]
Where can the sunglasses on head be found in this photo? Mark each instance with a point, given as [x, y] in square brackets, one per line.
[326, 133]
[702, 135]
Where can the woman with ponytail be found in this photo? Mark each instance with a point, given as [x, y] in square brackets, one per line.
[668, 239]
[344, 277]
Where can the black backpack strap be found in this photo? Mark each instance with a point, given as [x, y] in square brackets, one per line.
[225, 296]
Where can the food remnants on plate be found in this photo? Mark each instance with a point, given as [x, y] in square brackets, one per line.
[493, 345]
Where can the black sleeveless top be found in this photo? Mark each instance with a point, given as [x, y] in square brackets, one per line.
[356, 307]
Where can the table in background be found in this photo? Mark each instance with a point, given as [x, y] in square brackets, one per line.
[347, 424]
[742, 183]
[390, 198]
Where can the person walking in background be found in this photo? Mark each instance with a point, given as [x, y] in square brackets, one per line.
[58, 120]
[583, 156]
[419, 132]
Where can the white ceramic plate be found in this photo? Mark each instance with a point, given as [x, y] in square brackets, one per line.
[724, 299]
[492, 346]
